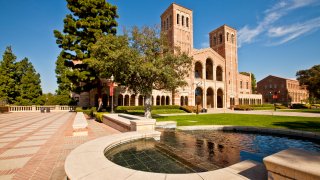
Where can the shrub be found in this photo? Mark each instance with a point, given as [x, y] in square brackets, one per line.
[299, 106]
[87, 111]
[99, 116]
[243, 107]
[123, 109]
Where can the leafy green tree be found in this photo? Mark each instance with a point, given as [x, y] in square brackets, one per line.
[142, 61]
[28, 86]
[253, 81]
[311, 78]
[62, 71]
[7, 77]
[88, 19]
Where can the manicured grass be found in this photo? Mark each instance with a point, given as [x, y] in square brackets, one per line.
[302, 110]
[297, 123]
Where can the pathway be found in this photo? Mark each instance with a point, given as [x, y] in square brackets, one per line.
[35, 145]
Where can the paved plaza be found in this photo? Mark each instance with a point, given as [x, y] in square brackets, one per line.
[35, 145]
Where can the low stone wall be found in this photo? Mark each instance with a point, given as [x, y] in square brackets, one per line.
[126, 122]
[293, 164]
[37, 108]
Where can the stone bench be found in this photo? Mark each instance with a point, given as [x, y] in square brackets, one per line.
[293, 164]
[126, 122]
[80, 125]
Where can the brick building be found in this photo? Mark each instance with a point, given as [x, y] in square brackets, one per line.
[214, 80]
[282, 90]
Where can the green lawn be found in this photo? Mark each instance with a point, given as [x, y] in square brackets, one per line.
[297, 123]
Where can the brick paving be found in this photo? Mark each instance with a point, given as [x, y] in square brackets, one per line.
[35, 145]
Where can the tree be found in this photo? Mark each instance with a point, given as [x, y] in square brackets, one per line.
[88, 19]
[142, 62]
[64, 84]
[19, 82]
[311, 78]
[28, 84]
[7, 77]
[253, 81]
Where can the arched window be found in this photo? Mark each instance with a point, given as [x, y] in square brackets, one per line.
[186, 100]
[187, 22]
[170, 20]
[220, 38]
[181, 101]
[178, 17]
[240, 84]
[227, 36]
[247, 85]
[182, 20]
[209, 69]
[219, 73]
[214, 40]
[198, 70]
[232, 38]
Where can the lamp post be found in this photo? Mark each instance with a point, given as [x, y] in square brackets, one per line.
[111, 92]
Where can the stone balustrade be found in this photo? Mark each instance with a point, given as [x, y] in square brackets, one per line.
[35, 108]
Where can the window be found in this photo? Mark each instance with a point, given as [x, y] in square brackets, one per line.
[167, 27]
[227, 36]
[182, 20]
[232, 38]
[240, 84]
[170, 20]
[247, 85]
[187, 22]
[275, 86]
[214, 40]
[178, 17]
[220, 38]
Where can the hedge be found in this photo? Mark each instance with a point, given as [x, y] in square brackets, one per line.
[299, 106]
[126, 108]
[243, 107]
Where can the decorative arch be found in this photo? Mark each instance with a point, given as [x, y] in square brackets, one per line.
[198, 70]
[209, 69]
[186, 100]
[182, 101]
[219, 73]
[163, 100]
[219, 98]
[126, 100]
[210, 98]
[158, 101]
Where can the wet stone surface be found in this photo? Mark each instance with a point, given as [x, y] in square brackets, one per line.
[200, 151]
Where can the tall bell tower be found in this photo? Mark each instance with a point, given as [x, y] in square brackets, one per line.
[223, 40]
[177, 23]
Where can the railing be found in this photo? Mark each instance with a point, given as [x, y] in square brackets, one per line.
[35, 108]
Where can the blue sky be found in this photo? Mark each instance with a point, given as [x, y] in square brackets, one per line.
[275, 37]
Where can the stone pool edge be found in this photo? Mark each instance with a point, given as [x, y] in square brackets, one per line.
[87, 161]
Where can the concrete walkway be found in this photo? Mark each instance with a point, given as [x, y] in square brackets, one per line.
[35, 145]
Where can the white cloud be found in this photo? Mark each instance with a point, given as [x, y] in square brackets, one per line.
[290, 32]
[248, 35]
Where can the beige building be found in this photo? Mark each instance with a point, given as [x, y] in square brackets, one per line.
[214, 81]
[282, 90]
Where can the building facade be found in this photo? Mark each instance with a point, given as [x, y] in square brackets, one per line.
[282, 90]
[214, 81]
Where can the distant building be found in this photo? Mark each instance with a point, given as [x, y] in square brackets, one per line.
[282, 90]
[214, 80]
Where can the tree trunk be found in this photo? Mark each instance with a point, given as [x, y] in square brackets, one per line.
[147, 106]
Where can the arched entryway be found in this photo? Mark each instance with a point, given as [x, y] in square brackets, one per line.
[186, 100]
[163, 100]
[209, 69]
[126, 100]
[133, 100]
[181, 101]
[219, 98]
[105, 100]
[158, 101]
[210, 103]
[120, 100]
[219, 73]
[167, 100]
[198, 70]
[140, 101]
[199, 96]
